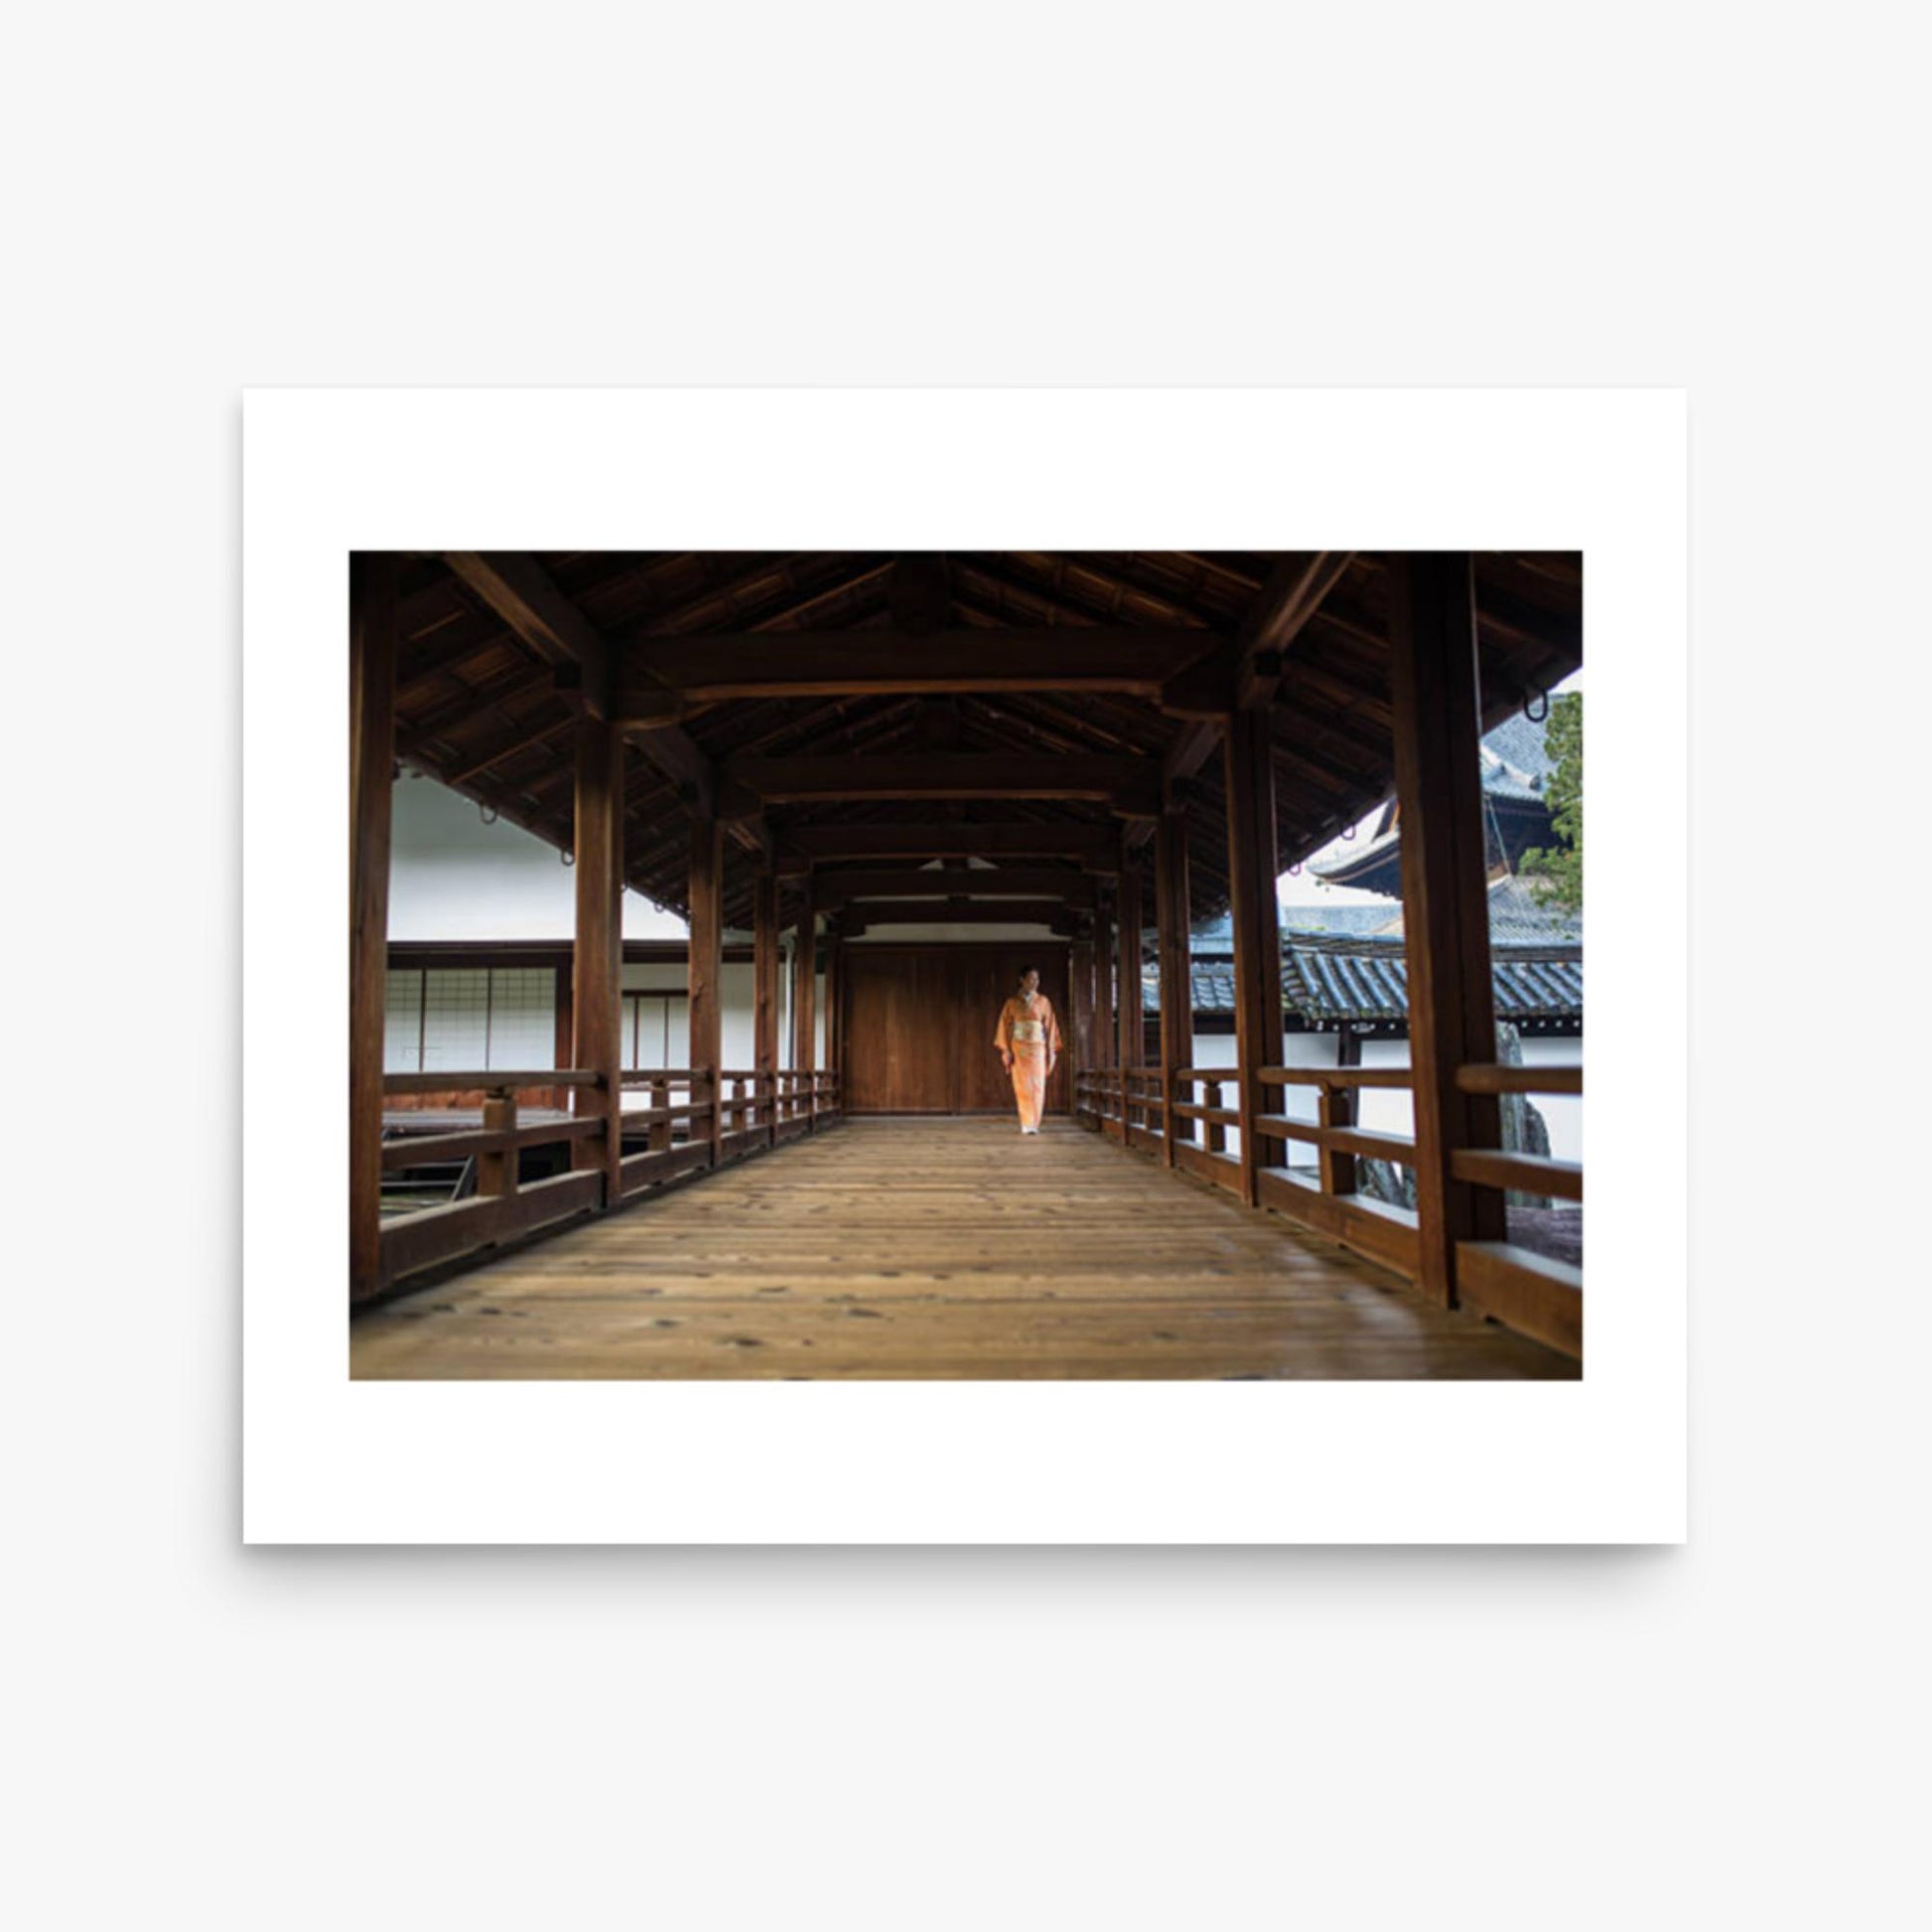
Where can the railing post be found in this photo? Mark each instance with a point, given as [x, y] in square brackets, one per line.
[658, 1136]
[1216, 1137]
[497, 1172]
[1337, 1109]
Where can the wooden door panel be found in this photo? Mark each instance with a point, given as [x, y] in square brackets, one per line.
[901, 1054]
[919, 1026]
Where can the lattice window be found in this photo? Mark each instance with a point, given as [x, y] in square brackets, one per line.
[522, 1017]
[402, 1024]
[456, 1020]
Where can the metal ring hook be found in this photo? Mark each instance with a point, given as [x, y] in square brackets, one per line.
[568, 858]
[488, 814]
[1529, 707]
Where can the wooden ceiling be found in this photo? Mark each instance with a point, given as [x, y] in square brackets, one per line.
[840, 707]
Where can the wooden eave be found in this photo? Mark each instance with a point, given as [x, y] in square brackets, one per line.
[488, 705]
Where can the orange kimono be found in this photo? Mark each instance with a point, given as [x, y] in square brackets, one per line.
[1032, 1034]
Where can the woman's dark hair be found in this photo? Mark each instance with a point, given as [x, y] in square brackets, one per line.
[1025, 970]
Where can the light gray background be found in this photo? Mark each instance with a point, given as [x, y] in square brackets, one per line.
[206, 197]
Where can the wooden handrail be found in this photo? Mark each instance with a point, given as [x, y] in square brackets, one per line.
[1336, 1076]
[1480, 1078]
[490, 1080]
[1344, 1140]
[424, 1150]
[1528, 1174]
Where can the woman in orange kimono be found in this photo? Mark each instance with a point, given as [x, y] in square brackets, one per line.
[1029, 1039]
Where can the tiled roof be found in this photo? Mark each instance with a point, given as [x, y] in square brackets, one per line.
[1516, 765]
[1329, 980]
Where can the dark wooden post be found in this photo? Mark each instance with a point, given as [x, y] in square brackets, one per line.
[1080, 996]
[764, 993]
[834, 1030]
[597, 963]
[497, 1172]
[1171, 908]
[371, 771]
[1133, 1024]
[704, 973]
[1340, 1107]
[1103, 984]
[1253, 874]
[1433, 682]
[804, 987]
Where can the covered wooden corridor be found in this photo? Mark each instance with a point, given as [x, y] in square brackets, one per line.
[939, 1249]
[1093, 749]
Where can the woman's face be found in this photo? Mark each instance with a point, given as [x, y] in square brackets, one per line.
[1028, 985]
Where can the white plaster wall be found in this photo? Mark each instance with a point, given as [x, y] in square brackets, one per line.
[451, 877]
[1298, 1103]
[1562, 1113]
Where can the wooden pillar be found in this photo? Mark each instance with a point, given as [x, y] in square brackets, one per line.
[1081, 996]
[1103, 984]
[765, 991]
[597, 962]
[704, 973]
[804, 987]
[1171, 910]
[1252, 880]
[1133, 1025]
[834, 1019]
[371, 770]
[1433, 682]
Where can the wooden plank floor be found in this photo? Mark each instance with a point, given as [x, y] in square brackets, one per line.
[936, 1248]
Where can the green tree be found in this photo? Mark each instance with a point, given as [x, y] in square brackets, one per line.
[1556, 871]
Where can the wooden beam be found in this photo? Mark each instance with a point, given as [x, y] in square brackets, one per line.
[1188, 752]
[524, 594]
[372, 578]
[1066, 887]
[1434, 681]
[1255, 914]
[958, 912]
[1132, 660]
[596, 998]
[518, 589]
[791, 780]
[1095, 847]
[1290, 598]
[704, 971]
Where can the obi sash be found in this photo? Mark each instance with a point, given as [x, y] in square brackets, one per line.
[1033, 1031]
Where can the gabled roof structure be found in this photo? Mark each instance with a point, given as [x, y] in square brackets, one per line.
[749, 683]
[1516, 771]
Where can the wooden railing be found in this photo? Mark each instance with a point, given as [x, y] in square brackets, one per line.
[1333, 1204]
[503, 1207]
[1526, 1291]
[1533, 1293]
[690, 1121]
